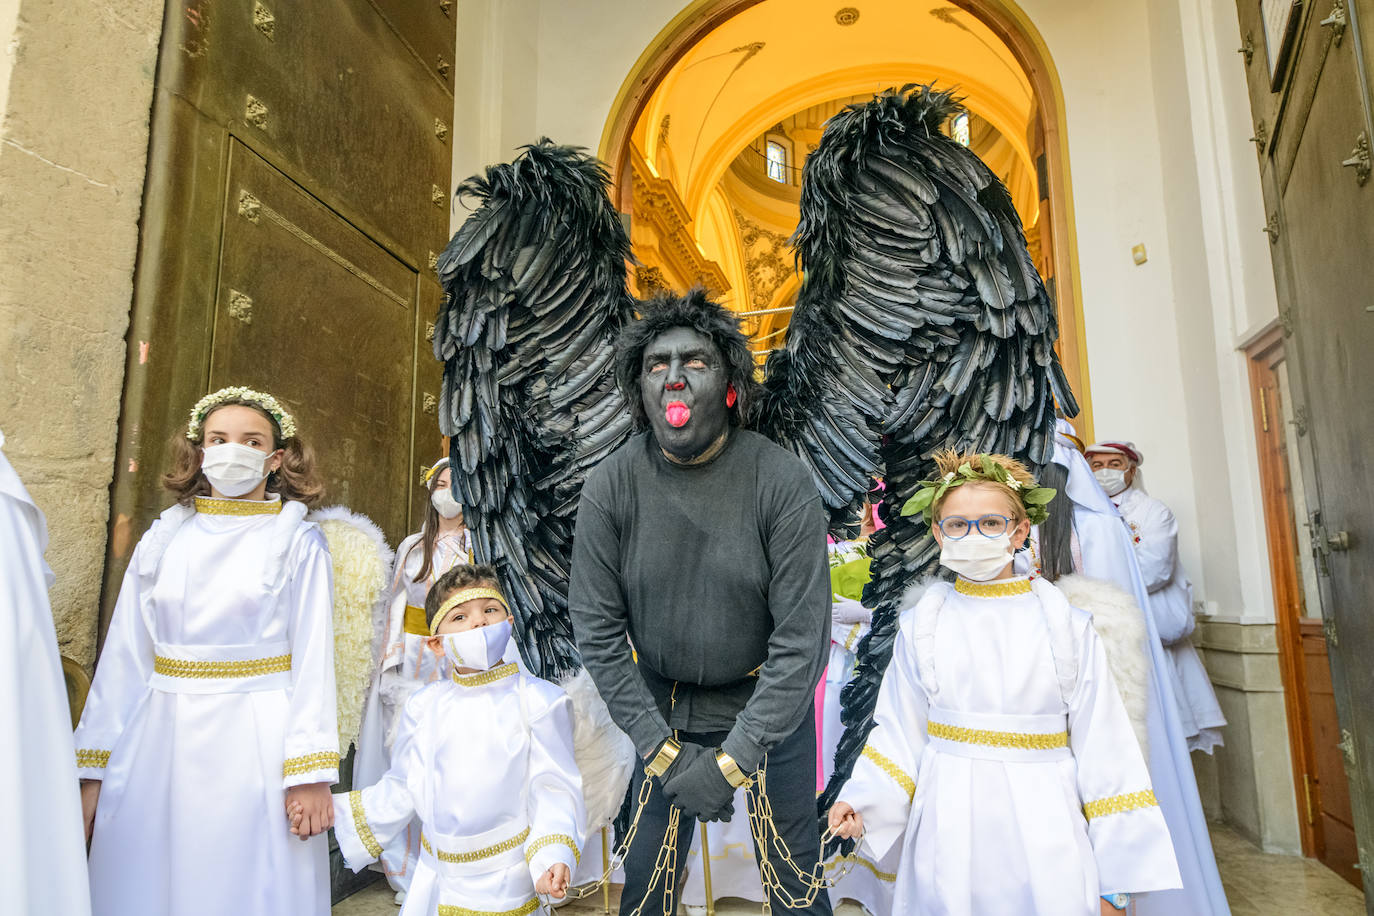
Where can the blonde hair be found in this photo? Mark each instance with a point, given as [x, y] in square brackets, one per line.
[949, 462]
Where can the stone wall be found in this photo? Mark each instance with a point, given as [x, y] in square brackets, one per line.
[76, 85]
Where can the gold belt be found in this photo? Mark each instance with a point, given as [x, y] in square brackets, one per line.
[476, 855]
[415, 621]
[1028, 741]
[248, 667]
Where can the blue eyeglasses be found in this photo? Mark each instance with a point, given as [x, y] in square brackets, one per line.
[956, 527]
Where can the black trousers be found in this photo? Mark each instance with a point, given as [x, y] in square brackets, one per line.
[792, 794]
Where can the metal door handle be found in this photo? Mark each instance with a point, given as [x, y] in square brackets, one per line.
[1336, 22]
[1338, 541]
[1359, 159]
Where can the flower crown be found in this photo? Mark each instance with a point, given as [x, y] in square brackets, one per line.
[1034, 499]
[285, 422]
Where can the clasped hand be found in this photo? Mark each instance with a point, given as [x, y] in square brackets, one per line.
[695, 784]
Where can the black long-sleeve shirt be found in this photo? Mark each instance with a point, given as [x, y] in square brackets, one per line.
[718, 576]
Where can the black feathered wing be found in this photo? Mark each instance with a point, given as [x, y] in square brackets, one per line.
[535, 297]
[921, 325]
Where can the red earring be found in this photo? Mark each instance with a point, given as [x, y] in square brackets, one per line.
[730, 396]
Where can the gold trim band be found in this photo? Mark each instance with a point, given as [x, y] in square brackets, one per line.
[248, 667]
[355, 804]
[550, 840]
[887, 766]
[446, 909]
[477, 855]
[729, 768]
[1006, 588]
[208, 505]
[414, 621]
[458, 597]
[1024, 741]
[309, 763]
[485, 677]
[667, 753]
[88, 758]
[1117, 804]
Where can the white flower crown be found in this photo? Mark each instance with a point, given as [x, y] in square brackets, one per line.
[285, 422]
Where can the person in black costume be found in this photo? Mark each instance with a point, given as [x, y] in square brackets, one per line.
[700, 593]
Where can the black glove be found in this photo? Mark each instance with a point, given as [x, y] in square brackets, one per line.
[695, 784]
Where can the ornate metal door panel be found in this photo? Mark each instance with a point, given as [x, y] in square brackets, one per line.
[1312, 129]
[310, 307]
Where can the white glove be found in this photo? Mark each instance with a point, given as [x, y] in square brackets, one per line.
[847, 612]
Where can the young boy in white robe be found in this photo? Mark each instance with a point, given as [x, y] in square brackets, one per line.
[1002, 758]
[213, 706]
[485, 760]
[406, 664]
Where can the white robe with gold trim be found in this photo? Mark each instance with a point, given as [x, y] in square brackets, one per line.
[197, 748]
[1003, 762]
[485, 762]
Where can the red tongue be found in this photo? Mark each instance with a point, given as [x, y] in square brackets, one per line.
[678, 414]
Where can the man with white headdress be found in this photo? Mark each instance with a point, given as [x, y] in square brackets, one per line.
[1094, 542]
[42, 846]
[1116, 465]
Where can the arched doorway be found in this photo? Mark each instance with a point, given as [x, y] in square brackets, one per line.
[709, 129]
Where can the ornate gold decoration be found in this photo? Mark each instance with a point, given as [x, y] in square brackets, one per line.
[355, 804]
[1005, 589]
[240, 306]
[248, 667]
[847, 15]
[440, 130]
[550, 840]
[766, 260]
[650, 280]
[467, 594]
[208, 505]
[309, 763]
[486, 677]
[249, 206]
[887, 766]
[442, 66]
[433, 260]
[1117, 804]
[1025, 741]
[255, 112]
[524, 909]
[663, 129]
[1261, 137]
[662, 236]
[429, 403]
[1271, 228]
[264, 21]
[445, 6]
[477, 855]
[429, 330]
[1359, 159]
[92, 759]
[1336, 21]
[437, 195]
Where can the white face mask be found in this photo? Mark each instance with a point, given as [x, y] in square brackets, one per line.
[1113, 480]
[234, 469]
[975, 557]
[443, 502]
[480, 648]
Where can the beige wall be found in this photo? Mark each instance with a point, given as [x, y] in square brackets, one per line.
[77, 87]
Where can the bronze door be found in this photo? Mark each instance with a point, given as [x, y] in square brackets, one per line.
[1309, 92]
[297, 194]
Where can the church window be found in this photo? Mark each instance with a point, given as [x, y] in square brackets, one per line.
[777, 161]
[958, 128]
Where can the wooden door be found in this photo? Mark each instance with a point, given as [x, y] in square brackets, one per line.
[1320, 784]
[297, 194]
[1309, 77]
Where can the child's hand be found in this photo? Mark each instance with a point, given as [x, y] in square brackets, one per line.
[847, 823]
[310, 809]
[90, 795]
[554, 882]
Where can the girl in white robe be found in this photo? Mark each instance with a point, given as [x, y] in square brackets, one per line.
[213, 704]
[405, 664]
[484, 759]
[1001, 758]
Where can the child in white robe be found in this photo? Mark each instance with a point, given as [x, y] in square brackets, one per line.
[485, 760]
[213, 706]
[405, 663]
[1002, 758]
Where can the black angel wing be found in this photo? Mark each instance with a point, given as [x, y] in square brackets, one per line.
[921, 325]
[535, 296]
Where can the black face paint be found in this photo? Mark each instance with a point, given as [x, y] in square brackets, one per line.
[682, 384]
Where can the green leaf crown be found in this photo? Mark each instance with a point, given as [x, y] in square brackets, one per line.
[1034, 499]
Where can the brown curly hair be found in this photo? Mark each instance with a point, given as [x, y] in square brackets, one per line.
[297, 479]
[457, 578]
[949, 462]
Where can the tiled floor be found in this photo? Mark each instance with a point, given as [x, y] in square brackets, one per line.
[1257, 884]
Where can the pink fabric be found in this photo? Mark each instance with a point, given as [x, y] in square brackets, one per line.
[820, 726]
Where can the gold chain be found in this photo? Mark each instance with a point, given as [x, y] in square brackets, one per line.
[665, 866]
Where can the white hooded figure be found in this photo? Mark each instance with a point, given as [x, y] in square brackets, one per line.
[1155, 534]
[1101, 547]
